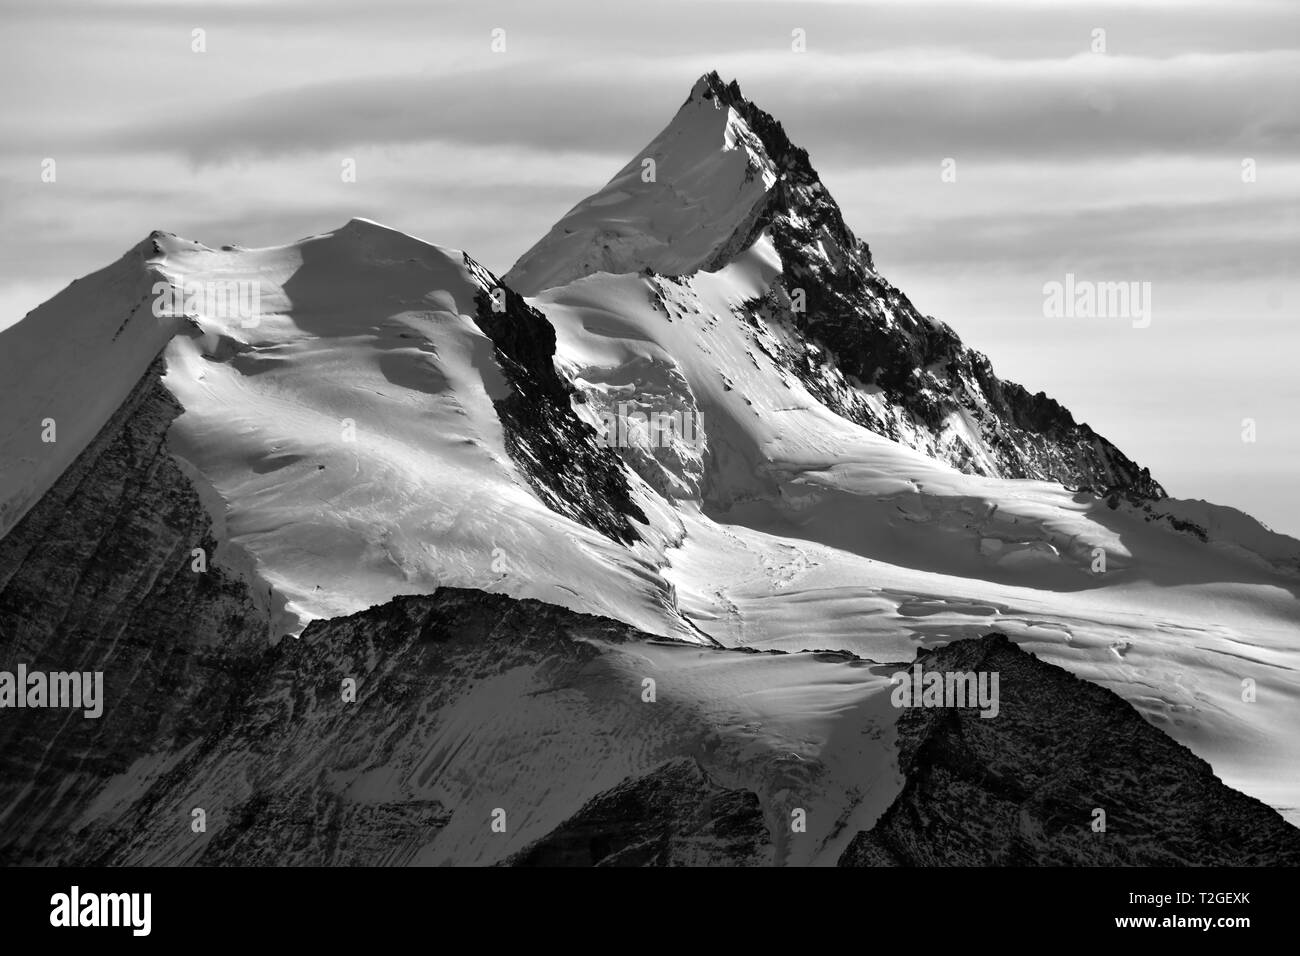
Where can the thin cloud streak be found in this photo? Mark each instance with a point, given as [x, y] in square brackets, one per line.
[960, 106]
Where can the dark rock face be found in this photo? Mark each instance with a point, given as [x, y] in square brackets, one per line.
[675, 816]
[98, 576]
[315, 826]
[1021, 788]
[859, 331]
[554, 449]
[278, 771]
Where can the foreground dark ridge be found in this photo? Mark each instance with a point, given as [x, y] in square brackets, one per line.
[288, 772]
[278, 767]
[1024, 788]
[1018, 789]
[98, 576]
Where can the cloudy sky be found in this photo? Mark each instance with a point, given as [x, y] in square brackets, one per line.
[1117, 166]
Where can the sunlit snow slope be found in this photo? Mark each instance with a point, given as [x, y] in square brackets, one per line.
[347, 428]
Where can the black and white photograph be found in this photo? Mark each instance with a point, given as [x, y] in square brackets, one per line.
[708, 434]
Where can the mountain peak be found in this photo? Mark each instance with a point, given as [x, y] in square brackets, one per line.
[711, 86]
[723, 178]
[695, 197]
[685, 202]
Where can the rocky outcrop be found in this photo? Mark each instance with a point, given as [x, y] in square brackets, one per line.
[99, 576]
[675, 816]
[552, 447]
[1066, 774]
[317, 827]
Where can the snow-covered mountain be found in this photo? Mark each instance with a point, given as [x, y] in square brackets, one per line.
[376, 429]
[826, 508]
[693, 411]
[721, 186]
